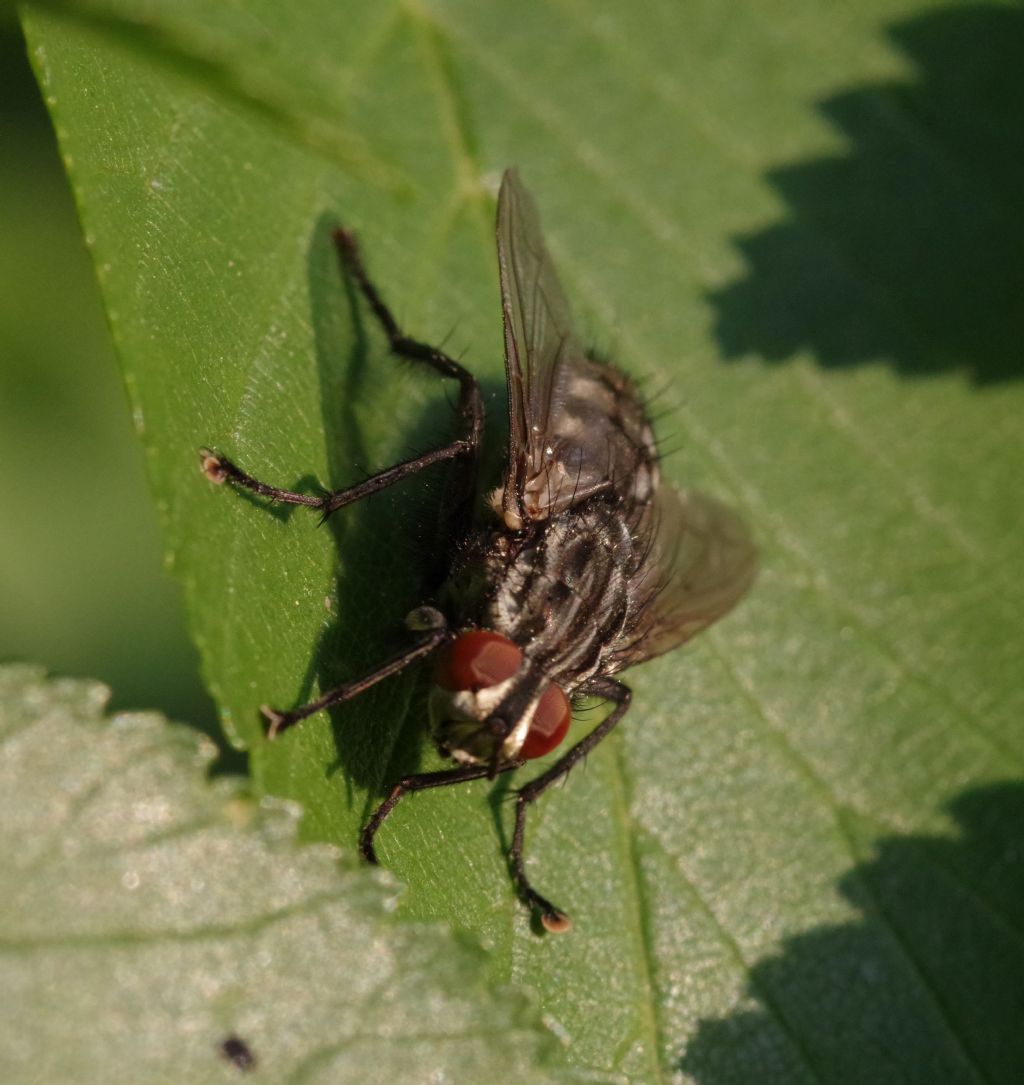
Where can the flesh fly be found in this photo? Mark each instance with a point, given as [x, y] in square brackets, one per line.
[582, 564]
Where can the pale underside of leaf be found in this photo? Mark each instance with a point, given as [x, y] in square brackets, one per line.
[164, 913]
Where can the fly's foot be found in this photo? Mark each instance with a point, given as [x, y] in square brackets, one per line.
[219, 469]
[279, 721]
[345, 239]
[367, 850]
[556, 922]
[366, 837]
[216, 468]
[552, 919]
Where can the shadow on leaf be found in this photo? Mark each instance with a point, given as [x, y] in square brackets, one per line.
[928, 986]
[907, 248]
[392, 548]
[381, 542]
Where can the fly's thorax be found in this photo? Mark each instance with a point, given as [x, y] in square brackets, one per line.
[491, 702]
[564, 589]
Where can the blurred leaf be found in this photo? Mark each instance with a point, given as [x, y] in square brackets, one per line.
[148, 914]
[734, 859]
[89, 601]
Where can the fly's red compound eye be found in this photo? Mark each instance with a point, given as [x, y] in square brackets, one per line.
[480, 658]
[476, 660]
[549, 724]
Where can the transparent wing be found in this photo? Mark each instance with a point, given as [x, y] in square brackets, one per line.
[701, 560]
[575, 426]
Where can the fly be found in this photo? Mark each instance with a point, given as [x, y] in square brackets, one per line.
[583, 564]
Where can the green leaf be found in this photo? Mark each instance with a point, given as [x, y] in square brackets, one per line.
[148, 914]
[795, 862]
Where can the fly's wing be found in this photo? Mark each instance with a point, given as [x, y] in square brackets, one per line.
[575, 426]
[700, 560]
[538, 330]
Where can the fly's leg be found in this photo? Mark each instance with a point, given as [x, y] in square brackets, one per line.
[471, 409]
[552, 918]
[420, 782]
[280, 721]
[218, 468]
[401, 344]
[456, 512]
[465, 448]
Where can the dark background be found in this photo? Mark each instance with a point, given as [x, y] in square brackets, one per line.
[82, 586]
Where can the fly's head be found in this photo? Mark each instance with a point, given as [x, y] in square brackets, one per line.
[492, 704]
